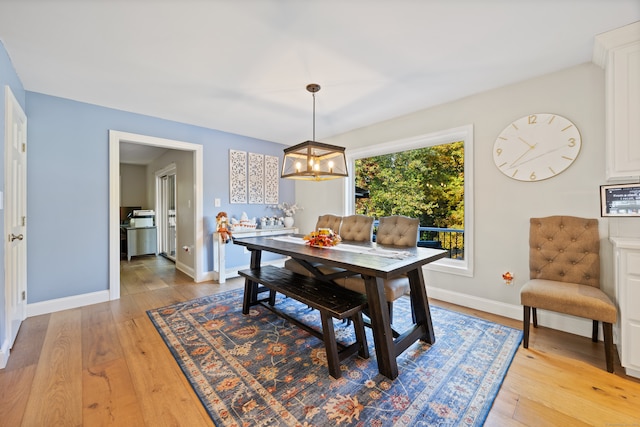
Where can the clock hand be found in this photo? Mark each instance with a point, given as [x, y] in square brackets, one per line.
[531, 147]
[538, 156]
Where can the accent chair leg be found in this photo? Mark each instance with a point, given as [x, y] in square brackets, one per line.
[525, 325]
[608, 345]
[535, 317]
[594, 331]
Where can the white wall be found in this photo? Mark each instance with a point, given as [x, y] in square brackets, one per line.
[502, 206]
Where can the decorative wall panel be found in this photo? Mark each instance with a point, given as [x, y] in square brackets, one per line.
[271, 179]
[256, 178]
[238, 176]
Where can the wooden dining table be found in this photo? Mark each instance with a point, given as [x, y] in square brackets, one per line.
[374, 263]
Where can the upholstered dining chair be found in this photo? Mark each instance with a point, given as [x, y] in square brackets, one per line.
[331, 221]
[334, 222]
[564, 264]
[357, 228]
[396, 230]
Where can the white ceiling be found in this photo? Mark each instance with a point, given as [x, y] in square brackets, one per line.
[242, 66]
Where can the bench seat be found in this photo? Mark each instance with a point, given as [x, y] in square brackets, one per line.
[332, 301]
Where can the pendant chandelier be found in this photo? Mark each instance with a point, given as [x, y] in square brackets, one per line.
[311, 160]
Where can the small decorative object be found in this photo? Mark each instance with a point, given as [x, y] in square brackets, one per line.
[288, 210]
[508, 278]
[271, 223]
[223, 227]
[245, 223]
[324, 237]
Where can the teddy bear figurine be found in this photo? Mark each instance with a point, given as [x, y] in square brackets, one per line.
[223, 227]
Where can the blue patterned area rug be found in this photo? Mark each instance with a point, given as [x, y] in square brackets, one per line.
[261, 370]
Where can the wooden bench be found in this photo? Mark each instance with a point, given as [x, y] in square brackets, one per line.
[331, 300]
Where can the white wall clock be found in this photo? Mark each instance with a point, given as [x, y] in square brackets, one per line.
[537, 147]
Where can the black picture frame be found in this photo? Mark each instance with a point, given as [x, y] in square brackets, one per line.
[620, 200]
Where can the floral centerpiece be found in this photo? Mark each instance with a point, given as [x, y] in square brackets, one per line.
[324, 237]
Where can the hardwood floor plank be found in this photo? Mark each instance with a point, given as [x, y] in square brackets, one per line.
[126, 308]
[109, 397]
[15, 389]
[26, 349]
[100, 342]
[577, 400]
[165, 400]
[56, 395]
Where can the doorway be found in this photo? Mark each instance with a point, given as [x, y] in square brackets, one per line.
[196, 230]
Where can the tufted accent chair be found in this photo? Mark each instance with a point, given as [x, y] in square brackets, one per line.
[357, 228]
[564, 264]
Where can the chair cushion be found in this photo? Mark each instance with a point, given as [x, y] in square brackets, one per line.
[296, 267]
[357, 228]
[393, 288]
[569, 298]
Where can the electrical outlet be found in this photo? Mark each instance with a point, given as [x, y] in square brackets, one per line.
[216, 203]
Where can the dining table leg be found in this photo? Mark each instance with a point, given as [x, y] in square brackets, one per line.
[250, 287]
[381, 327]
[420, 304]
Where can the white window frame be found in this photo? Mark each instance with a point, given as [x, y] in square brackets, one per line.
[464, 133]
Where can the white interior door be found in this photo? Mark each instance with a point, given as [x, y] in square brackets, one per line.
[15, 203]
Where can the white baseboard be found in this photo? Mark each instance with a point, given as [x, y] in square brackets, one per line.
[550, 319]
[66, 303]
[189, 271]
[4, 354]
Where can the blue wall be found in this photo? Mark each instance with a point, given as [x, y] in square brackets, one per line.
[68, 188]
[8, 77]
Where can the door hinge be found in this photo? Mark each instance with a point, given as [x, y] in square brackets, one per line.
[24, 147]
[24, 295]
[24, 221]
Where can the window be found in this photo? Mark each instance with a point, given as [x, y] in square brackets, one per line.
[464, 135]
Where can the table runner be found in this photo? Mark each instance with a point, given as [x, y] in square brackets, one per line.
[386, 253]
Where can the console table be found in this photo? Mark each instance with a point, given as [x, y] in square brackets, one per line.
[220, 272]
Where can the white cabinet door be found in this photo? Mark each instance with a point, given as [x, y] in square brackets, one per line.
[618, 52]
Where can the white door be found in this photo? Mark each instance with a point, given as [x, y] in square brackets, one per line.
[15, 205]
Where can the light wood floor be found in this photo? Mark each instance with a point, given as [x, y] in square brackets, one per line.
[105, 364]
